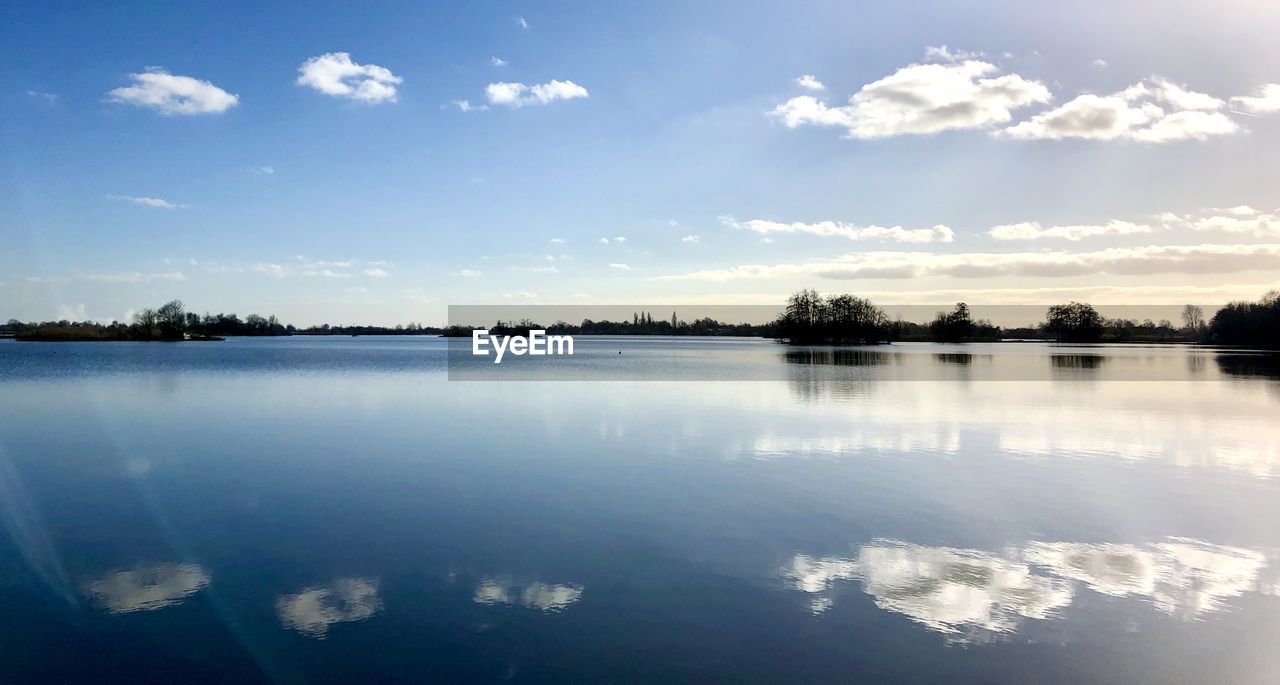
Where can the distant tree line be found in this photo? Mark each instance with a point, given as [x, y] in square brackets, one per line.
[169, 321]
[641, 323]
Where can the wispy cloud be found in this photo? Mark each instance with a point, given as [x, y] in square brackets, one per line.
[691, 239]
[619, 267]
[132, 277]
[497, 61]
[376, 272]
[939, 233]
[154, 202]
[520, 21]
[941, 53]
[1032, 230]
[170, 94]
[41, 96]
[520, 94]
[470, 273]
[1151, 259]
[336, 74]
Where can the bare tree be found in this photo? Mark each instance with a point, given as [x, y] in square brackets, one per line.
[1193, 318]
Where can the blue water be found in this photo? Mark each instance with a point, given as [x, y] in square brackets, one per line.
[338, 510]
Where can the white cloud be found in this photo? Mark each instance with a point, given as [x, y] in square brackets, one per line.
[266, 170]
[1242, 219]
[47, 98]
[921, 99]
[520, 94]
[335, 74]
[691, 239]
[810, 82]
[155, 202]
[619, 267]
[470, 273]
[1032, 230]
[939, 233]
[172, 94]
[536, 269]
[943, 54]
[1151, 259]
[520, 21]
[619, 239]
[376, 272]
[1136, 113]
[1265, 99]
[497, 61]
[466, 106]
[557, 241]
[132, 277]
[1100, 63]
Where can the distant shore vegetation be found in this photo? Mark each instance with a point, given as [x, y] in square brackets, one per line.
[808, 319]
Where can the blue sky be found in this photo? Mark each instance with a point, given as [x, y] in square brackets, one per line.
[683, 128]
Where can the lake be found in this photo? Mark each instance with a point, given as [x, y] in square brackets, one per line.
[338, 510]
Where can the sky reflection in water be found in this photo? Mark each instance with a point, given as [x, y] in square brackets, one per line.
[335, 510]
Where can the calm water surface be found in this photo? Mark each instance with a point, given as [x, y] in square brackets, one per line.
[337, 510]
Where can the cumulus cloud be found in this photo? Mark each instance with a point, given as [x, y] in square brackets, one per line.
[155, 202]
[1032, 230]
[1153, 111]
[1100, 63]
[335, 74]
[691, 239]
[810, 82]
[1151, 259]
[520, 94]
[618, 239]
[376, 272]
[168, 94]
[1265, 99]
[921, 99]
[939, 233]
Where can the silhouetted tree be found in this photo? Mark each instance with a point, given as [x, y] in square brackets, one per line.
[954, 326]
[1074, 322]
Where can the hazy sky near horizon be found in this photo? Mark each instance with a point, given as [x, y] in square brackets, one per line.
[376, 162]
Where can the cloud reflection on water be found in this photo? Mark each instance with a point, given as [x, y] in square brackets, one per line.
[313, 610]
[537, 595]
[147, 587]
[971, 595]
